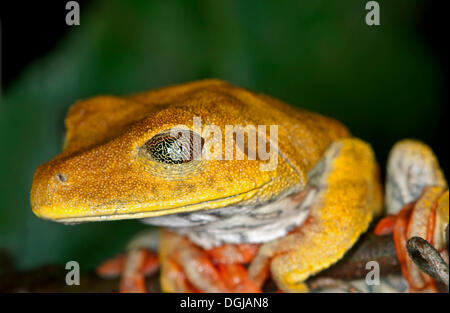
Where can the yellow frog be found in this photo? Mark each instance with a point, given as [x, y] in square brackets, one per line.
[290, 221]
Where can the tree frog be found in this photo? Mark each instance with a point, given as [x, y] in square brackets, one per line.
[226, 224]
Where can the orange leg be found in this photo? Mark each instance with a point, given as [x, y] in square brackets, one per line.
[236, 278]
[112, 267]
[400, 231]
[178, 278]
[229, 259]
[199, 269]
[385, 225]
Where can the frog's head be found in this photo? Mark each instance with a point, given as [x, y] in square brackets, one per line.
[137, 156]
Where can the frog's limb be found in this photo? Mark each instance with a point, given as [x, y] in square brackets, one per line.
[193, 261]
[133, 267]
[411, 167]
[173, 279]
[138, 262]
[185, 267]
[349, 194]
[229, 260]
[113, 267]
[416, 192]
[426, 218]
[385, 225]
[236, 278]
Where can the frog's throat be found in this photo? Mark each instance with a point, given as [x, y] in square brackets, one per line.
[241, 224]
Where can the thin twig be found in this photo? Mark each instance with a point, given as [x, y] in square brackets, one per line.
[428, 259]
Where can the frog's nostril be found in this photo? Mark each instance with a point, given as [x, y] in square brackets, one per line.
[61, 178]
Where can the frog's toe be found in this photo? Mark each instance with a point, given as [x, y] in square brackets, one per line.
[177, 254]
[132, 267]
[236, 278]
[230, 260]
[185, 267]
[140, 263]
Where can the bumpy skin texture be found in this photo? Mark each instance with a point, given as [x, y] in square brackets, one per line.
[411, 167]
[101, 175]
[104, 177]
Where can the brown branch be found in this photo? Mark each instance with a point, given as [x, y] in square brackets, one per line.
[51, 278]
[369, 248]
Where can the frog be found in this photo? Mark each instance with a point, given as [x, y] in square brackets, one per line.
[226, 225]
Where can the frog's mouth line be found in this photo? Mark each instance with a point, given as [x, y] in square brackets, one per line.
[203, 205]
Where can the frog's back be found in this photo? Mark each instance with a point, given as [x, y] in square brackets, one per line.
[303, 136]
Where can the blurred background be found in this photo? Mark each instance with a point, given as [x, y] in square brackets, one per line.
[384, 82]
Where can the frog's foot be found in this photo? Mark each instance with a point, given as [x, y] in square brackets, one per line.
[133, 268]
[185, 267]
[348, 195]
[426, 218]
[416, 185]
[138, 262]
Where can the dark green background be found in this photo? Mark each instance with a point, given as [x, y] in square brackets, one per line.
[384, 82]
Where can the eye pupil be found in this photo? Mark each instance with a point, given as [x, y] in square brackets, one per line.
[174, 149]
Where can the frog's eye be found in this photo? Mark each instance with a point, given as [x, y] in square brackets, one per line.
[174, 147]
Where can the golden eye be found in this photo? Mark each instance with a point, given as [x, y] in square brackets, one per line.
[174, 147]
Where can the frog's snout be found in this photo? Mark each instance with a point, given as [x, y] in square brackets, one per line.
[47, 184]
